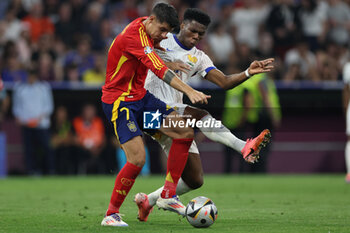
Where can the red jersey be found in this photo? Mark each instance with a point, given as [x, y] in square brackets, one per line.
[129, 58]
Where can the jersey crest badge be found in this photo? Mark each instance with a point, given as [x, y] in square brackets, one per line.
[148, 50]
[132, 126]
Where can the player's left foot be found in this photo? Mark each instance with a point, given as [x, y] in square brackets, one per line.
[252, 147]
[141, 200]
[347, 178]
[172, 204]
[113, 220]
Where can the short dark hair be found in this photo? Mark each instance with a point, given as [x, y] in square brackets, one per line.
[197, 15]
[166, 13]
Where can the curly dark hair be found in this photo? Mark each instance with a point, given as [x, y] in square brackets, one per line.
[197, 15]
[166, 13]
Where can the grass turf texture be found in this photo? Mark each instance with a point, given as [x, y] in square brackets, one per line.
[313, 203]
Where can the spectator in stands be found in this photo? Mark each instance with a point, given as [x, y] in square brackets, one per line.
[107, 36]
[265, 49]
[32, 108]
[220, 54]
[78, 11]
[60, 51]
[313, 19]
[45, 46]
[13, 26]
[62, 141]
[300, 63]
[328, 62]
[46, 69]
[283, 25]
[90, 135]
[38, 23]
[51, 9]
[118, 19]
[64, 27]
[338, 22]
[4, 103]
[91, 25]
[72, 74]
[82, 57]
[19, 8]
[13, 71]
[97, 75]
[242, 57]
[246, 22]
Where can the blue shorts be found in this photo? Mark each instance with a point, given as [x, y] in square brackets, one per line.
[127, 118]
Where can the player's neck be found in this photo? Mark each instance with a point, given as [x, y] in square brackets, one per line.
[180, 40]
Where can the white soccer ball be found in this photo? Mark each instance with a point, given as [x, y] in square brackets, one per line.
[201, 212]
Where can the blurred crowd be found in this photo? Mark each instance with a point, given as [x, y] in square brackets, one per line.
[67, 40]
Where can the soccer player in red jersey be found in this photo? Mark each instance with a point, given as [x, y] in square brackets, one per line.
[125, 101]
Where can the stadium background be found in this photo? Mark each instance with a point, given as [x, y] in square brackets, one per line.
[311, 135]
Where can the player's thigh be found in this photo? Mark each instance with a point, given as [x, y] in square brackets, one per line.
[195, 113]
[176, 127]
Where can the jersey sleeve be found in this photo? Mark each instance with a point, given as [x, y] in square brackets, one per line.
[205, 65]
[346, 73]
[142, 48]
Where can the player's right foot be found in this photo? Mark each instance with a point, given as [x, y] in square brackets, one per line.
[141, 200]
[347, 178]
[113, 220]
[252, 147]
[172, 204]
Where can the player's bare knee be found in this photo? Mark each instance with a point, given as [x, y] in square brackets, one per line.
[137, 158]
[139, 161]
[197, 184]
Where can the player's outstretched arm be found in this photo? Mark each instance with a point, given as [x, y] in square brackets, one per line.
[194, 95]
[230, 81]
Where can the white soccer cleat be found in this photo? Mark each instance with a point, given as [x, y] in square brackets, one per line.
[113, 220]
[172, 204]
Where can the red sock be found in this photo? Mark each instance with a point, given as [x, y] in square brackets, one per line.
[123, 183]
[177, 159]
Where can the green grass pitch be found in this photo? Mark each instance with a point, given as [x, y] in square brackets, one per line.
[246, 203]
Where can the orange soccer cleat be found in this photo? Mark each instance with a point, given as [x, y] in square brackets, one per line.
[145, 208]
[252, 147]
